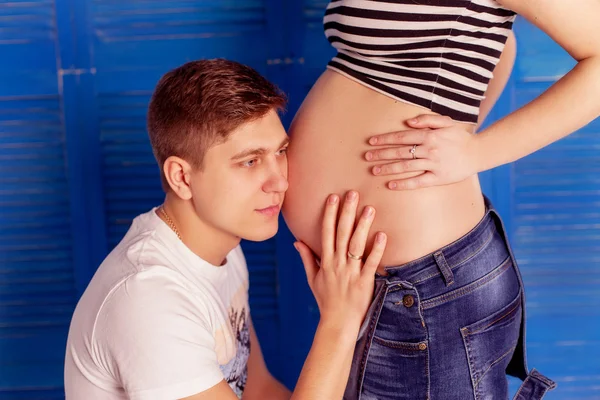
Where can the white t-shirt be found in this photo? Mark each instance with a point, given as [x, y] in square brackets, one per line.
[158, 322]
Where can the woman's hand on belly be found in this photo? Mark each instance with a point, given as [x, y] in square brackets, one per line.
[329, 138]
[439, 151]
[343, 280]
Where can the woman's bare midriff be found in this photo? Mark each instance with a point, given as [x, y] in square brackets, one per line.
[328, 141]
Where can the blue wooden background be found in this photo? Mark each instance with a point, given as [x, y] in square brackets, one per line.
[76, 167]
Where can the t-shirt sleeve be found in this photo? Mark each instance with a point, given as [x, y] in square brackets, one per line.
[158, 338]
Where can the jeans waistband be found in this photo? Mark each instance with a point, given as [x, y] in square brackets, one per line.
[452, 255]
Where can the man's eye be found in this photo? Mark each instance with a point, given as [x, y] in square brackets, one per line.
[249, 163]
[282, 151]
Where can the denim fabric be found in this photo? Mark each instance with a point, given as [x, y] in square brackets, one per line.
[448, 326]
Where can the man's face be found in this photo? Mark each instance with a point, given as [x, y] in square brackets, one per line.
[241, 187]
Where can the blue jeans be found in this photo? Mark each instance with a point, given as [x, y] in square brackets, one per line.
[448, 326]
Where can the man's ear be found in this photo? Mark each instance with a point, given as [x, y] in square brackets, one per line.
[177, 174]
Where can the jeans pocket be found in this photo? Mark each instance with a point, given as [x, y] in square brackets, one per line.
[396, 370]
[490, 344]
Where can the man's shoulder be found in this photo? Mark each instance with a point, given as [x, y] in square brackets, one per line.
[155, 298]
[142, 247]
[135, 275]
[124, 261]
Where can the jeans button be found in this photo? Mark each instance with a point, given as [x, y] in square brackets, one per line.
[408, 300]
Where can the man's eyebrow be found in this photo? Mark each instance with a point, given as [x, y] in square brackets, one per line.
[285, 141]
[257, 152]
[249, 152]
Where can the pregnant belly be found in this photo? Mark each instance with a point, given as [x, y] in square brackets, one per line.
[328, 140]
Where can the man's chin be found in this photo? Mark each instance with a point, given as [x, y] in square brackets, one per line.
[261, 234]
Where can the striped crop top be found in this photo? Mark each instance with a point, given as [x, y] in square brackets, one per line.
[438, 54]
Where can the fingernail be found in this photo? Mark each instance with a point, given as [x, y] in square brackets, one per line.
[369, 156]
[333, 199]
[296, 247]
[368, 211]
[376, 170]
[380, 237]
[393, 185]
[351, 195]
[413, 121]
[373, 140]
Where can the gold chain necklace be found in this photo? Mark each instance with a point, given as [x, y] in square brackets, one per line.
[170, 221]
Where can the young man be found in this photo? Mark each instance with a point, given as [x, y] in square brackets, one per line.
[166, 315]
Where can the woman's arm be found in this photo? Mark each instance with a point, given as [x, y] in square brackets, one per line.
[327, 367]
[343, 287]
[260, 384]
[570, 103]
[566, 106]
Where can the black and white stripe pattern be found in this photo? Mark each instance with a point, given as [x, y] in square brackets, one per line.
[438, 54]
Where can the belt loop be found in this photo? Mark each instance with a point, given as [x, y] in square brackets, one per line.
[444, 268]
[534, 387]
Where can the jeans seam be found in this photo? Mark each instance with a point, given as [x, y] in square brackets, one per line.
[547, 381]
[470, 363]
[460, 263]
[494, 363]
[394, 289]
[436, 301]
[476, 251]
[400, 345]
[427, 339]
[500, 318]
[427, 373]
[369, 340]
[521, 388]
[545, 390]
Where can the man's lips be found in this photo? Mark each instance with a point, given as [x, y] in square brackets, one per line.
[269, 211]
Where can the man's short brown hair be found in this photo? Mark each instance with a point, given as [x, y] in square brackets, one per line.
[198, 104]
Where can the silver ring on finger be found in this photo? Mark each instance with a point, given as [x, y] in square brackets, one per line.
[413, 151]
[352, 256]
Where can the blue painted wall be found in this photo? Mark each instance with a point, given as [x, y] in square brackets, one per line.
[76, 167]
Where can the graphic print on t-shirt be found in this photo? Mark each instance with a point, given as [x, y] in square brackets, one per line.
[236, 371]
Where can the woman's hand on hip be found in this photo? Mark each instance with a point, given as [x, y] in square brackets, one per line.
[344, 281]
[437, 145]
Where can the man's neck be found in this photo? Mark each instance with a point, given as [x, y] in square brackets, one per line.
[208, 243]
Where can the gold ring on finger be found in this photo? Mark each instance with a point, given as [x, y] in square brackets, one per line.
[352, 256]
